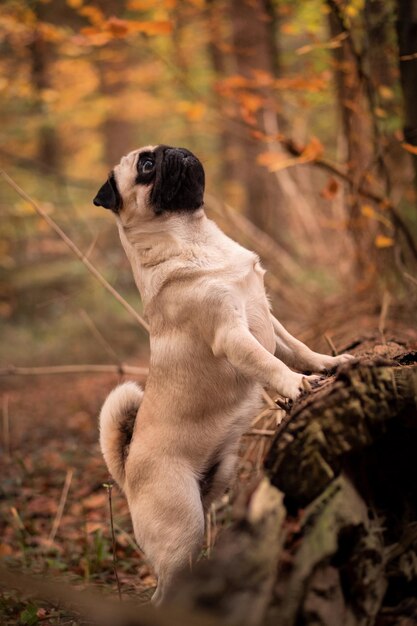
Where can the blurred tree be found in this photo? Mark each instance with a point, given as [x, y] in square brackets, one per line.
[218, 49]
[255, 61]
[407, 39]
[357, 124]
[42, 57]
[236, 81]
[113, 62]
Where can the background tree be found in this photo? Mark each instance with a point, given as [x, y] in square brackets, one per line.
[407, 36]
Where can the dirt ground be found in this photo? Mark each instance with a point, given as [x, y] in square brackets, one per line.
[54, 440]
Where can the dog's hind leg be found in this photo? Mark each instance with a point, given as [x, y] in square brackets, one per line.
[217, 478]
[168, 522]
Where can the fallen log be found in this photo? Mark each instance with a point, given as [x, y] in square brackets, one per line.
[340, 545]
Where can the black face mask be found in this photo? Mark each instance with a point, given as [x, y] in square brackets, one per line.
[108, 195]
[178, 181]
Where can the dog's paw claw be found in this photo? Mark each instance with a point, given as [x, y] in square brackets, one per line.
[306, 385]
[285, 405]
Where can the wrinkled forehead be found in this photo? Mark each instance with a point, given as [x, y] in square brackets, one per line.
[139, 151]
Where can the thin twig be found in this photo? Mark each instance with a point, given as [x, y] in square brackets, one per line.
[109, 487]
[208, 532]
[410, 278]
[71, 245]
[262, 432]
[21, 530]
[379, 199]
[99, 336]
[122, 369]
[260, 455]
[285, 405]
[6, 426]
[129, 540]
[268, 399]
[61, 505]
[386, 301]
[266, 411]
[408, 57]
[330, 344]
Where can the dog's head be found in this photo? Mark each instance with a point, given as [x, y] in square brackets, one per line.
[151, 181]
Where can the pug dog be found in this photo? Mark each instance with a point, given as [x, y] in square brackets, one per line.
[215, 345]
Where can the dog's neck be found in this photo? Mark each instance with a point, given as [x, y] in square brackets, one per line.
[152, 245]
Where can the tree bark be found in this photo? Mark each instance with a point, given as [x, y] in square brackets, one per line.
[41, 56]
[254, 52]
[357, 128]
[112, 64]
[407, 41]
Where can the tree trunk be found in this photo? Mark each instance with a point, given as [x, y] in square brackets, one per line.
[112, 64]
[229, 136]
[407, 40]
[41, 56]
[331, 538]
[254, 53]
[357, 129]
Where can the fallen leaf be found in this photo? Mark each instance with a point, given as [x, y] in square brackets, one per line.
[95, 501]
[381, 241]
[5, 549]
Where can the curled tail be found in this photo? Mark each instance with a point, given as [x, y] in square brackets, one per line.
[117, 421]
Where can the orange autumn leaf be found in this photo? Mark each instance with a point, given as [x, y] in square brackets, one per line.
[381, 241]
[313, 150]
[275, 161]
[301, 83]
[236, 81]
[410, 148]
[116, 28]
[193, 111]
[5, 550]
[196, 112]
[93, 14]
[368, 211]
[329, 192]
[95, 501]
[157, 27]
[251, 102]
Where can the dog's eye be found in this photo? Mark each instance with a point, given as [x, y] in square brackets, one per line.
[147, 166]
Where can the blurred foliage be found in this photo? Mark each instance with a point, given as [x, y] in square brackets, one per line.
[82, 83]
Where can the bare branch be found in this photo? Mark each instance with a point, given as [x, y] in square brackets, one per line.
[61, 505]
[379, 199]
[122, 369]
[71, 245]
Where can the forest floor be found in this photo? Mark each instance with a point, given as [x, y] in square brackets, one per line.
[53, 442]
[52, 446]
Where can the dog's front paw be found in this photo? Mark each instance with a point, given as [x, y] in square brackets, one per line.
[297, 384]
[331, 362]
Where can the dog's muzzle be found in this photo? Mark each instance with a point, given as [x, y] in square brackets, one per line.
[108, 195]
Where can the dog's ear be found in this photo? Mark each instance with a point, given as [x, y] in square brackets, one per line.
[108, 195]
[178, 185]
